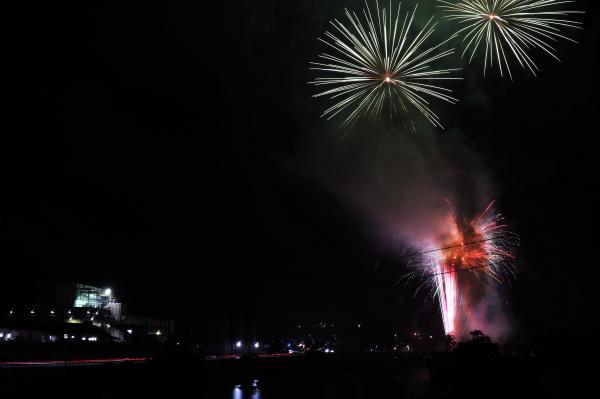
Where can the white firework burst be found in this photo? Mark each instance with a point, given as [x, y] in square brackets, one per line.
[379, 65]
[510, 28]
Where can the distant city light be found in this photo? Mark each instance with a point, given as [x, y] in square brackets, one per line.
[108, 292]
[158, 332]
[256, 345]
[32, 311]
[52, 311]
[11, 312]
[326, 350]
[129, 331]
[238, 344]
[1, 335]
[83, 338]
[8, 336]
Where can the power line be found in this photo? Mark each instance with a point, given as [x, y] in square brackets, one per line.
[440, 249]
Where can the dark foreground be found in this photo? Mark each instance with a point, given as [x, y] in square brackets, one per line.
[354, 376]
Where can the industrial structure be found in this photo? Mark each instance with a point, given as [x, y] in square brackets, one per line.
[80, 312]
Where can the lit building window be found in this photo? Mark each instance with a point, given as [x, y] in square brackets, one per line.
[87, 296]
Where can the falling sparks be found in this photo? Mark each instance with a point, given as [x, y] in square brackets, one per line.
[509, 29]
[379, 66]
[482, 246]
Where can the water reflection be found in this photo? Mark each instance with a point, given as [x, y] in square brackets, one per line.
[251, 391]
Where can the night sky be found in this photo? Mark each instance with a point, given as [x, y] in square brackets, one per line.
[162, 150]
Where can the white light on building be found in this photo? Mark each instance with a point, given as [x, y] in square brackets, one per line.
[238, 344]
[256, 345]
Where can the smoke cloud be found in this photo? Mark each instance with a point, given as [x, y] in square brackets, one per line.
[403, 182]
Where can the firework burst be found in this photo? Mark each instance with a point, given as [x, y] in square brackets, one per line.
[482, 246]
[378, 65]
[508, 29]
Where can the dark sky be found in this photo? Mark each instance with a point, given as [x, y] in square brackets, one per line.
[152, 149]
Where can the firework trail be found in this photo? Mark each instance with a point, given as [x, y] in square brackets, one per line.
[510, 28]
[378, 64]
[481, 246]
